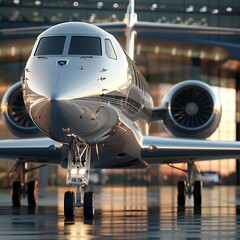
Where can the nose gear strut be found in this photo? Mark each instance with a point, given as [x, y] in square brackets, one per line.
[78, 170]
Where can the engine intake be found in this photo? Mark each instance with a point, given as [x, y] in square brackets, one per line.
[15, 115]
[193, 110]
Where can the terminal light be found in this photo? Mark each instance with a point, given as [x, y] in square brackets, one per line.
[99, 5]
[203, 22]
[16, 2]
[156, 50]
[13, 51]
[35, 14]
[189, 52]
[164, 19]
[174, 51]
[115, 5]
[217, 57]
[114, 17]
[202, 55]
[154, 7]
[203, 9]
[75, 4]
[229, 9]
[92, 18]
[215, 11]
[139, 49]
[37, 3]
[190, 9]
[178, 19]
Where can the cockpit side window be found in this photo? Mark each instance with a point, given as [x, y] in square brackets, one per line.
[50, 46]
[85, 45]
[109, 49]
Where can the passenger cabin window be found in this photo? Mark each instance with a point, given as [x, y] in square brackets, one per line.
[109, 49]
[50, 46]
[84, 45]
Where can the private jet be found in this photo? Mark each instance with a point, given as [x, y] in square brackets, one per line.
[84, 104]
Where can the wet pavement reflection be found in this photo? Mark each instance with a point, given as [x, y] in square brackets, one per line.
[126, 213]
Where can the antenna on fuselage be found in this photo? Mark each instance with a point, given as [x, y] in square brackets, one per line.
[131, 19]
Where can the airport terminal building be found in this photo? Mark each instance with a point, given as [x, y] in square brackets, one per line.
[164, 57]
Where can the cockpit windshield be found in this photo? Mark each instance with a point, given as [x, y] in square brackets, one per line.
[50, 46]
[79, 45]
[85, 45]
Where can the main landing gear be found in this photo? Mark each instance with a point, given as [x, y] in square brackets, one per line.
[190, 187]
[78, 176]
[23, 188]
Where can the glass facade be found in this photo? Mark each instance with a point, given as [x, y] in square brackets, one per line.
[224, 13]
[164, 58]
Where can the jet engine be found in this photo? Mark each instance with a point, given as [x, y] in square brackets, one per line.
[193, 110]
[14, 113]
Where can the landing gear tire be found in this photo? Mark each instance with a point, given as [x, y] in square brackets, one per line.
[16, 194]
[197, 193]
[32, 194]
[181, 194]
[69, 199]
[88, 206]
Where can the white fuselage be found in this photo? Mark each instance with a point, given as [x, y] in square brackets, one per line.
[97, 96]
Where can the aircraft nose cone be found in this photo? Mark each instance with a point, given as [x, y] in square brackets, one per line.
[60, 118]
[48, 114]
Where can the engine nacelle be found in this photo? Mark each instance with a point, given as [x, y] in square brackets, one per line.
[14, 113]
[193, 110]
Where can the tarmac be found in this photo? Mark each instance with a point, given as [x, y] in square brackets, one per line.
[125, 213]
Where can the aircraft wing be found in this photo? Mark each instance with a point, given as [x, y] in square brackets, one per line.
[183, 28]
[158, 150]
[42, 150]
[139, 26]
[23, 31]
[35, 30]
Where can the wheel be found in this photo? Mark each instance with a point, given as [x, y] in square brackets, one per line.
[181, 193]
[32, 193]
[197, 193]
[69, 199]
[16, 194]
[88, 205]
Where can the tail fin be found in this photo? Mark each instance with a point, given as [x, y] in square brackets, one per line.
[130, 19]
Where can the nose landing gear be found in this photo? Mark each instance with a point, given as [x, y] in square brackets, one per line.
[78, 176]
